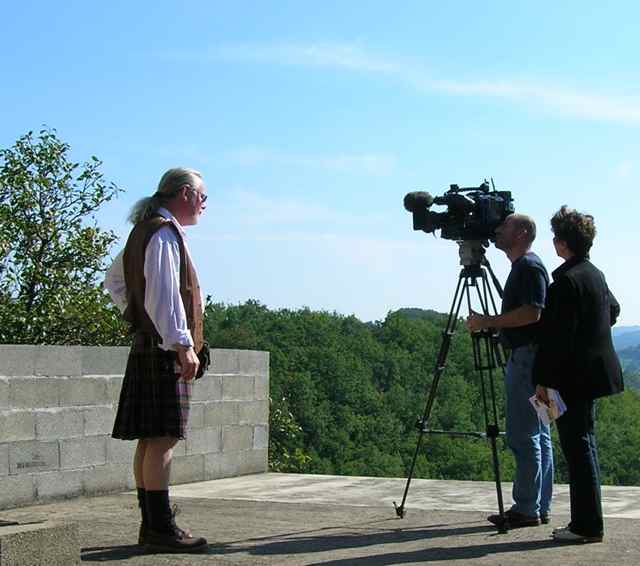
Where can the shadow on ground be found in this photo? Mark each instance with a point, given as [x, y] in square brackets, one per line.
[111, 553]
[322, 540]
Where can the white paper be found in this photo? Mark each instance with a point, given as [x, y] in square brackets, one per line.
[549, 413]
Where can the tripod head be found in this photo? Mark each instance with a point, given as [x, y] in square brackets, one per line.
[473, 259]
[471, 252]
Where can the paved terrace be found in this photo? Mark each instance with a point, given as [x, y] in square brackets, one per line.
[287, 519]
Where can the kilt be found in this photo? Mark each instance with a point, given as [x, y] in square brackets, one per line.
[153, 401]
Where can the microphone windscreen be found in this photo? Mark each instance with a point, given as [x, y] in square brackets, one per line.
[418, 199]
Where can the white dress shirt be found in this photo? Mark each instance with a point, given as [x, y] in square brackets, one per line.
[162, 299]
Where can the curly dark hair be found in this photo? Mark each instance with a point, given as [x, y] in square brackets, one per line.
[575, 228]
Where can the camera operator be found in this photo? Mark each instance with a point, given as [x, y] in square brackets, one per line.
[527, 437]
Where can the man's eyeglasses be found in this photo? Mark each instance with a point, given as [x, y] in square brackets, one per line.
[203, 196]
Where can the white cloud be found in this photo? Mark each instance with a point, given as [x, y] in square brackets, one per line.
[243, 214]
[354, 57]
[376, 164]
[625, 171]
[259, 209]
[344, 55]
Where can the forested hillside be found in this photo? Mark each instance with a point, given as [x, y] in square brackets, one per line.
[630, 358]
[346, 396]
[626, 337]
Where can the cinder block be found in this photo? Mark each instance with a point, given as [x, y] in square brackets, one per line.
[59, 423]
[4, 459]
[86, 390]
[221, 413]
[33, 456]
[120, 451]
[107, 479]
[236, 438]
[220, 465]
[254, 462]
[17, 425]
[104, 360]
[114, 386]
[58, 360]
[253, 362]
[261, 391]
[98, 420]
[65, 483]
[83, 452]
[237, 387]
[224, 362]
[180, 449]
[208, 388]
[260, 437]
[196, 416]
[204, 440]
[50, 544]
[17, 490]
[4, 393]
[185, 469]
[230, 464]
[33, 392]
[17, 360]
[253, 412]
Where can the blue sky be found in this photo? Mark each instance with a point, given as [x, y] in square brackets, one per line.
[310, 121]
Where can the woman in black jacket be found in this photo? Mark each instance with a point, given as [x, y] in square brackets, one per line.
[577, 358]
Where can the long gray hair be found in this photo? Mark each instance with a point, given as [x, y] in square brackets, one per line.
[170, 183]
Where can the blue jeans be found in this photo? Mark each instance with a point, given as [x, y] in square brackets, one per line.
[528, 438]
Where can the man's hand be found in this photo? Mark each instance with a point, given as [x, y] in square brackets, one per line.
[188, 361]
[542, 394]
[477, 322]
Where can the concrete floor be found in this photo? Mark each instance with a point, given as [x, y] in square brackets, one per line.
[288, 519]
[428, 495]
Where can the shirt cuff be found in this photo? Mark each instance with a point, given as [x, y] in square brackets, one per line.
[179, 337]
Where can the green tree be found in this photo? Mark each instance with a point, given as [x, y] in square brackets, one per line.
[51, 248]
[286, 451]
[618, 438]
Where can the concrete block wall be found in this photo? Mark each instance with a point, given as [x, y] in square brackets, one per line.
[57, 407]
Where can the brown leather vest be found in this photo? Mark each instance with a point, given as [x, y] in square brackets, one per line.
[133, 262]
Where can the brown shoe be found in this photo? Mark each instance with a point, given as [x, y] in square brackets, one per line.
[186, 533]
[174, 541]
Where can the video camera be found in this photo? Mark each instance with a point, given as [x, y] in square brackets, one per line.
[471, 216]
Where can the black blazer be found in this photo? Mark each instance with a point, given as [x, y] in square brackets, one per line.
[575, 354]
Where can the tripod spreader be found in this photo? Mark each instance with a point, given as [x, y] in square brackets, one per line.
[492, 431]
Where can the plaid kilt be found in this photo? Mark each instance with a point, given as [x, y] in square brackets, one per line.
[153, 401]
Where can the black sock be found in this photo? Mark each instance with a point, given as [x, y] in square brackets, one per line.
[142, 503]
[159, 511]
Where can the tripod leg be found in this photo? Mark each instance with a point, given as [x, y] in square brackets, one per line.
[441, 361]
[492, 425]
[486, 359]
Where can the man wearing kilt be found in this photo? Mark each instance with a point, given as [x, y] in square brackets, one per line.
[154, 282]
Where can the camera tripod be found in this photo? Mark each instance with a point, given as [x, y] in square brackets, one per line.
[487, 357]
